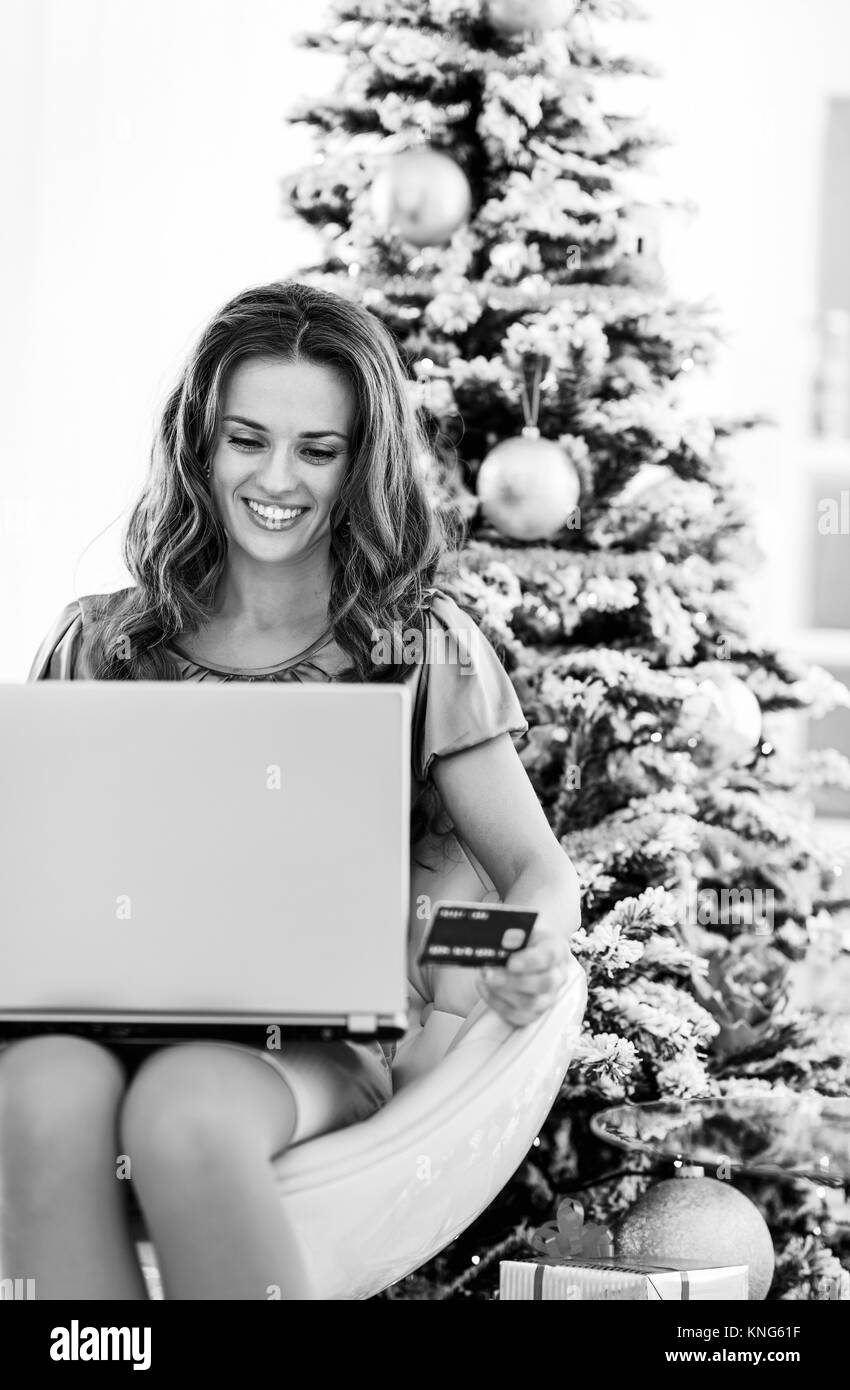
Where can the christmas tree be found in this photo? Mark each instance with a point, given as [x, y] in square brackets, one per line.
[478, 189]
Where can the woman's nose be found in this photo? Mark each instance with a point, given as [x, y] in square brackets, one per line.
[279, 469]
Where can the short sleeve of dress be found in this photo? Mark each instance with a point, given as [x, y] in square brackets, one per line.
[468, 695]
[56, 658]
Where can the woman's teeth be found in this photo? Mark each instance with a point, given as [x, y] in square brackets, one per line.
[272, 518]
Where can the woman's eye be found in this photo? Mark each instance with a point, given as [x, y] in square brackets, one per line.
[319, 454]
[244, 443]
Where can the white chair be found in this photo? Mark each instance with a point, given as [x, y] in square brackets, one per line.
[370, 1203]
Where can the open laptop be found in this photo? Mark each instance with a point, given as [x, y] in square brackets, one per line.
[182, 859]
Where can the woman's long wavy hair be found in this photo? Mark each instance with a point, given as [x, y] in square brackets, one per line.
[385, 536]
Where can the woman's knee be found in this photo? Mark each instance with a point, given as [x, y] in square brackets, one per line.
[183, 1105]
[57, 1081]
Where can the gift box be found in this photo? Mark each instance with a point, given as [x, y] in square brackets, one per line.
[607, 1279]
[575, 1260]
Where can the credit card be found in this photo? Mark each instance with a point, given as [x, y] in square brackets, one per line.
[475, 934]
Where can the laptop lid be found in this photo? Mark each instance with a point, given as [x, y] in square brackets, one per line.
[203, 855]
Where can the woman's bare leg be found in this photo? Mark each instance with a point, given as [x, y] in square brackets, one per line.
[63, 1210]
[201, 1123]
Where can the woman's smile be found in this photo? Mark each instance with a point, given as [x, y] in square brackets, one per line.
[271, 517]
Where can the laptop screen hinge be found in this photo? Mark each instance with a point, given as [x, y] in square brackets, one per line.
[362, 1023]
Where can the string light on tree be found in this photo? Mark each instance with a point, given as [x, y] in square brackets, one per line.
[421, 195]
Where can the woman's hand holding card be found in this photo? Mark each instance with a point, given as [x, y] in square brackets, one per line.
[529, 982]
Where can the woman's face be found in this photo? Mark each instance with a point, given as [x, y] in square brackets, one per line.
[281, 455]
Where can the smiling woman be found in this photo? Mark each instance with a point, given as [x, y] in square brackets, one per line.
[283, 523]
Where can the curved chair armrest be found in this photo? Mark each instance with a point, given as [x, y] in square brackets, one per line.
[368, 1204]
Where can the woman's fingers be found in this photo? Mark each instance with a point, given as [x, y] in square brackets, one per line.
[545, 970]
[517, 1017]
[530, 983]
[514, 1006]
[541, 954]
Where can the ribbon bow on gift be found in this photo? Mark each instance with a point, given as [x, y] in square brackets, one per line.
[570, 1237]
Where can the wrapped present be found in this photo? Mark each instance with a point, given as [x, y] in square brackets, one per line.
[617, 1281]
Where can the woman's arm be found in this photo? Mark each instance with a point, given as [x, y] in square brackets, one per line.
[495, 811]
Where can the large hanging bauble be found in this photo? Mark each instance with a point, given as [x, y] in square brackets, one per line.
[703, 1221]
[529, 16]
[723, 713]
[421, 195]
[528, 487]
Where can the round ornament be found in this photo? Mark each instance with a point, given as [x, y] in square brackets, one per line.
[723, 713]
[529, 16]
[422, 195]
[528, 487]
[702, 1221]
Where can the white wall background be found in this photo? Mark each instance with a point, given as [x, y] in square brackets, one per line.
[745, 96]
[142, 147]
[143, 144]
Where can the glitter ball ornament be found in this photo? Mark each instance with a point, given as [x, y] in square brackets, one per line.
[421, 195]
[528, 487]
[724, 713]
[529, 16]
[701, 1220]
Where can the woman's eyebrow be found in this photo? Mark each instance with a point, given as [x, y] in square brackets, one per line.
[305, 434]
[240, 420]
